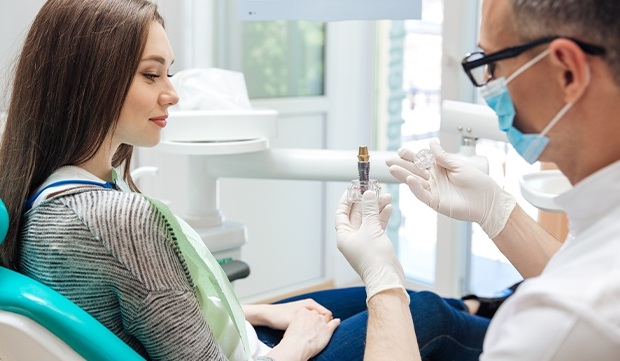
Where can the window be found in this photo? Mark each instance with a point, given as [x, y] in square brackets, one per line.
[283, 58]
[419, 92]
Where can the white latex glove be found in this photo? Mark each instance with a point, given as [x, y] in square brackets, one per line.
[385, 211]
[366, 246]
[455, 188]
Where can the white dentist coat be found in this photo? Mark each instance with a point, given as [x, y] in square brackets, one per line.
[572, 310]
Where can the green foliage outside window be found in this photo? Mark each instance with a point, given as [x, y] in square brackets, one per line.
[284, 58]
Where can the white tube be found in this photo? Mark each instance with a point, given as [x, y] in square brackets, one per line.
[203, 211]
[298, 164]
[202, 194]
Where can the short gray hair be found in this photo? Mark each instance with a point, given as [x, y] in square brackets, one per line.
[592, 21]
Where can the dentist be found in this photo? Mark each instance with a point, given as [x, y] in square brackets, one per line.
[551, 71]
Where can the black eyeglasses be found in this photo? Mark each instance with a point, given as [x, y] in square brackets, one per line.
[480, 67]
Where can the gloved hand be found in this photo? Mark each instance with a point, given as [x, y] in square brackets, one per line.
[366, 246]
[455, 188]
[385, 211]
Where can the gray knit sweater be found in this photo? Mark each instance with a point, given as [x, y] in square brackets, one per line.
[113, 254]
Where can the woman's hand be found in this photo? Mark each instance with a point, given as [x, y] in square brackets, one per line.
[307, 334]
[279, 316]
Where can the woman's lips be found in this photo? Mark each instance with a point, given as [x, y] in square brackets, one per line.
[160, 121]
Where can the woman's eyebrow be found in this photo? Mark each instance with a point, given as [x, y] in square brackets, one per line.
[157, 58]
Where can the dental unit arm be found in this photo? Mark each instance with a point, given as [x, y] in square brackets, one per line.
[471, 122]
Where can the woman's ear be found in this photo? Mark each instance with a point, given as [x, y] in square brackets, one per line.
[573, 69]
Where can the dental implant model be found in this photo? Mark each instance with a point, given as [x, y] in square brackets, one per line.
[363, 165]
[363, 183]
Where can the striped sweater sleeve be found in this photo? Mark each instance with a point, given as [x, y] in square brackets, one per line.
[112, 254]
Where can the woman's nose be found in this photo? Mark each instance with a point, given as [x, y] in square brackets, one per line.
[169, 96]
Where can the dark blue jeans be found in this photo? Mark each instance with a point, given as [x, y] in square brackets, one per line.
[444, 329]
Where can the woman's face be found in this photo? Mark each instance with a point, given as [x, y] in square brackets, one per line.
[145, 110]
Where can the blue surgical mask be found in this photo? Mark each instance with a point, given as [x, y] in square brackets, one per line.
[497, 96]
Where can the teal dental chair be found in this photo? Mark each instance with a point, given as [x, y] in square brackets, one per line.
[37, 323]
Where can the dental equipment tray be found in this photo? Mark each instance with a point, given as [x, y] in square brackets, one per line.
[205, 126]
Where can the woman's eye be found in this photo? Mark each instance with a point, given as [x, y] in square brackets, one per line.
[151, 76]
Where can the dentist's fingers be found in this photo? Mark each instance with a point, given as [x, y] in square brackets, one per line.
[355, 215]
[406, 164]
[407, 154]
[401, 174]
[410, 156]
[384, 200]
[384, 216]
[442, 157]
[421, 190]
[343, 210]
[385, 209]
[370, 207]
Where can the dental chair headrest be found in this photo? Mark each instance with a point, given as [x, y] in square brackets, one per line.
[4, 221]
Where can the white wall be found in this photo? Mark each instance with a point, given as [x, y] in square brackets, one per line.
[15, 19]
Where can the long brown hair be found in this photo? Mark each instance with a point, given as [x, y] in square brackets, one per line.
[73, 74]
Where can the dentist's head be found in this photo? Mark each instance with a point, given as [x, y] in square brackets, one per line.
[551, 70]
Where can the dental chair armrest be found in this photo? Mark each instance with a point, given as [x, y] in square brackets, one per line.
[236, 269]
[78, 329]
